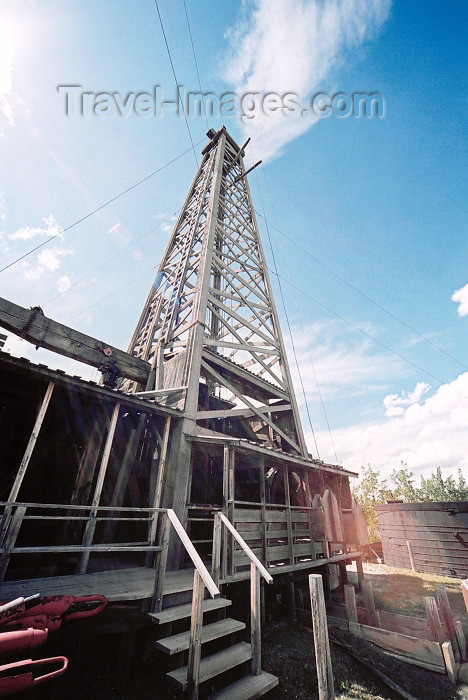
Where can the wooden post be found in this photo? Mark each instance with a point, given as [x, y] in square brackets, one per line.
[216, 552]
[193, 668]
[261, 465]
[350, 600]
[160, 571]
[360, 571]
[322, 645]
[26, 458]
[288, 516]
[461, 639]
[291, 599]
[231, 495]
[372, 614]
[410, 554]
[433, 619]
[450, 664]
[299, 598]
[255, 620]
[447, 617]
[91, 523]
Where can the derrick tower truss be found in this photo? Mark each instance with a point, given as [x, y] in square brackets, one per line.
[209, 327]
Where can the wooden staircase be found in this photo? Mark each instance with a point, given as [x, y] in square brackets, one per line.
[224, 671]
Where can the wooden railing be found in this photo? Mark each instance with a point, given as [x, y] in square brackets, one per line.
[256, 570]
[17, 514]
[279, 534]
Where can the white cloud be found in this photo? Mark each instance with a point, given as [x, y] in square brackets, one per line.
[25, 233]
[395, 404]
[461, 297]
[424, 435]
[48, 260]
[64, 283]
[342, 362]
[3, 207]
[292, 46]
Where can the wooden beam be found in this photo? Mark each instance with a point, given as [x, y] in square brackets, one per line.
[219, 378]
[33, 326]
[241, 412]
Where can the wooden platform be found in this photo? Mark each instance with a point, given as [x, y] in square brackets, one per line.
[133, 584]
[118, 585]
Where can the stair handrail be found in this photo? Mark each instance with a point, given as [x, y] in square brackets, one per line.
[193, 554]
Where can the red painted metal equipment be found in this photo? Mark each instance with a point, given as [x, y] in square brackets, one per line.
[19, 675]
[15, 641]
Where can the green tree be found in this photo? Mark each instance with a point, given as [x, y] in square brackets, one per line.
[436, 488]
[404, 488]
[369, 492]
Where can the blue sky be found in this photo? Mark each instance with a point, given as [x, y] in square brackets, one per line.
[376, 203]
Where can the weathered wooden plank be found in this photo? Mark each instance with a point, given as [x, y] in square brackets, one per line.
[33, 326]
[433, 619]
[421, 652]
[372, 614]
[350, 599]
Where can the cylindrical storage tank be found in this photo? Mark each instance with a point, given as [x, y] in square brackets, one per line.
[435, 535]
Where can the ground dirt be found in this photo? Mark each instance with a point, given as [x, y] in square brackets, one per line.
[288, 650]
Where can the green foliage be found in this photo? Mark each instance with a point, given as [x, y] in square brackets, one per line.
[372, 491]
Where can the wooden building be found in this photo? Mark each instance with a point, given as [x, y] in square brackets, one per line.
[186, 468]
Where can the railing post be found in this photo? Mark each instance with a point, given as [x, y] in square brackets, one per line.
[216, 552]
[255, 620]
[193, 668]
[160, 570]
[10, 539]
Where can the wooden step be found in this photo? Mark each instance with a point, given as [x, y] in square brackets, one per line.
[180, 642]
[178, 612]
[215, 664]
[247, 688]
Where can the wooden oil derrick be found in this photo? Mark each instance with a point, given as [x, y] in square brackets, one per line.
[210, 328]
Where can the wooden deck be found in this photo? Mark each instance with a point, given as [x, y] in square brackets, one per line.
[118, 585]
